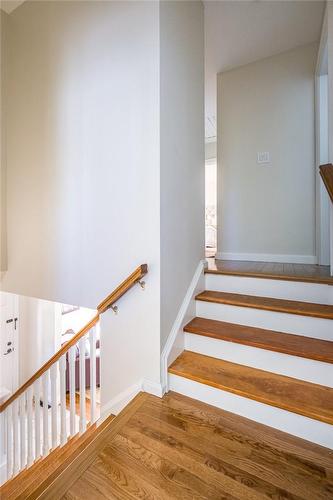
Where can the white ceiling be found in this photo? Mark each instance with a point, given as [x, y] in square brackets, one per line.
[240, 32]
[9, 5]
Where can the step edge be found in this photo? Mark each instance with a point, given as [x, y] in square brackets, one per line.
[265, 346]
[235, 303]
[290, 408]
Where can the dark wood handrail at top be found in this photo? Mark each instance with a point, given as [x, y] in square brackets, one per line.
[126, 285]
[326, 172]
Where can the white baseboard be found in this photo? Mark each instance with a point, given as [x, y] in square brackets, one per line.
[268, 257]
[116, 404]
[3, 473]
[175, 342]
[153, 388]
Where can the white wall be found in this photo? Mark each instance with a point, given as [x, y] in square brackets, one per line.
[39, 323]
[83, 167]
[330, 78]
[267, 210]
[90, 86]
[330, 108]
[3, 62]
[182, 152]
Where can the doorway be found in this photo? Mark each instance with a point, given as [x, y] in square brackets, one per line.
[210, 207]
[9, 324]
[322, 157]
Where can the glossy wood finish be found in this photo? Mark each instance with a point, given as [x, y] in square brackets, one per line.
[126, 285]
[270, 270]
[269, 388]
[31, 482]
[295, 345]
[178, 448]
[269, 304]
[326, 172]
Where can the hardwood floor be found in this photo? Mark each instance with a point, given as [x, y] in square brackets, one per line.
[178, 448]
[271, 270]
[87, 403]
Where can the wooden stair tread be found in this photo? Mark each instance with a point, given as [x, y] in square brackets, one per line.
[295, 345]
[268, 303]
[304, 398]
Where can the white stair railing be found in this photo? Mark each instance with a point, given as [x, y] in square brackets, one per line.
[51, 407]
[40, 419]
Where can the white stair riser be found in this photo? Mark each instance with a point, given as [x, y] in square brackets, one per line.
[309, 370]
[303, 427]
[270, 320]
[279, 289]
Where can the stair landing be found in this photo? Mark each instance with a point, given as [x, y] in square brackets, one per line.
[306, 273]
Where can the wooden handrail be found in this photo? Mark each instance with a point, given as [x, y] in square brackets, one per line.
[326, 172]
[128, 283]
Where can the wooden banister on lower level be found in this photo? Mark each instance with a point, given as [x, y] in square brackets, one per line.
[50, 407]
[128, 283]
[326, 172]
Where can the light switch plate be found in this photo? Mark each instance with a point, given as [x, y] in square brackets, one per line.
[263, 157]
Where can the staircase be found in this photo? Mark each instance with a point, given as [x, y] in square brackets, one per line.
[262, 347]
[47, 422]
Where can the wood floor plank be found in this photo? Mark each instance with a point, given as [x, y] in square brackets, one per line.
[268, 304]
[171, 479]
[295, 345]
[306, 273]
[193, 453]
[266, 387]
[224, 462]
[318, 458]
[239, 449]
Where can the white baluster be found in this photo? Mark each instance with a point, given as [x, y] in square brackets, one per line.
[37, 418]
[30, 426]
[92, 340]
[16, 451]
[82, 351]
[54, 404]
[72, 382]
[23, 434]
[9, 441]
[63, 431]
[45, 382]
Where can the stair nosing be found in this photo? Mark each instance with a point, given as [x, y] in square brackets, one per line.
[255, 344]
[201, 297]
[248, 395]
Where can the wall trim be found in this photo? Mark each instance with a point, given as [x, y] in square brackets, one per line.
[151, 387]
[116, 404]
[268, 257]
[175, 341]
